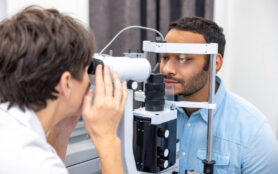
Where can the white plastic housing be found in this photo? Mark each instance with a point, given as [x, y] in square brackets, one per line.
[136, 69]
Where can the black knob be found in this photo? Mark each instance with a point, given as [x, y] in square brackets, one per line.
[132, 84]
[163, 163]
[163, 152]
[164, 133]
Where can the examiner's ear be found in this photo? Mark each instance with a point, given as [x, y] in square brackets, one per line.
[65, 84]
[219, 62]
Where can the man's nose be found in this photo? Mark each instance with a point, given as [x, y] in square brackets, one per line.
[168, 67]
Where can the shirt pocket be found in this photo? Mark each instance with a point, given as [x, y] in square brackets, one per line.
[222, 161]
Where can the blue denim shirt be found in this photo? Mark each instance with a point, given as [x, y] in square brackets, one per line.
[243, 141]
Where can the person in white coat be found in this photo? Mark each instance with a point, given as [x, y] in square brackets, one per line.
[44, 88]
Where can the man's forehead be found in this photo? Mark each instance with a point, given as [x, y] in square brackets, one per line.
[181, 36]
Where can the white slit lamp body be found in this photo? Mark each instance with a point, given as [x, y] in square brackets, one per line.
[81, 155]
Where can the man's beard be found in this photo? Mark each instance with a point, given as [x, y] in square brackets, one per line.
[193, 85]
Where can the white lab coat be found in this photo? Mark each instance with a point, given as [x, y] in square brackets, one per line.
[23, 145]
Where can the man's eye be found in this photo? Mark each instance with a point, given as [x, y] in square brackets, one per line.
[164, 58]
[182, 60]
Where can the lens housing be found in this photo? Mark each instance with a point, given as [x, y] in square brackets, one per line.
[155, 92]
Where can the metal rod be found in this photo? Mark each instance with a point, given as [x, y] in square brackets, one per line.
[211, 100]
[157, 15]
[157, 27]
[143, 20]
[127, 28]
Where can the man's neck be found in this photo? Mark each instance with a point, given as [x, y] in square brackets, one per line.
[200, 96]
[48, 116]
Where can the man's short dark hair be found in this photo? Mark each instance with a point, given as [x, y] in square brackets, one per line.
[209, 29]
[37, 46]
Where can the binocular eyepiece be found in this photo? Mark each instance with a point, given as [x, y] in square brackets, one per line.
[93, 65]
[136, 69]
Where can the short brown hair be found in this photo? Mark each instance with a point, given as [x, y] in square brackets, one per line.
[209, 29]
[37, 46]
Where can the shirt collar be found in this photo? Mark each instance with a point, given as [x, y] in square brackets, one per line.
[27, 118]
[219, 97]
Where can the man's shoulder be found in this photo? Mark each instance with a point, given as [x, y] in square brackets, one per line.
[238, 108]
[239, 120]
[16, 137]
[24, 148]
[24, 152]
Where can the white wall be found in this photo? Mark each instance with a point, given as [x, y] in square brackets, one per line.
[3, 9]
[251, 59]
[76, 8]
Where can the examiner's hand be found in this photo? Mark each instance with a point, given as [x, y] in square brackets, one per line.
[102, 118]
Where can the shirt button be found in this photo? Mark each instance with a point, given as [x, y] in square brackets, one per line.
[188, 124]
[183, 153]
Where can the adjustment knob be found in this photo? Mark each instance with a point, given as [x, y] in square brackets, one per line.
[132, 84]
[163, 152]
[163, 133]
[163, 163]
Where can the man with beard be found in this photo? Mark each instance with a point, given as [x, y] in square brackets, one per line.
[243, 141]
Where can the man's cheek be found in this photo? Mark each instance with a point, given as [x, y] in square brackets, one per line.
[177, 88]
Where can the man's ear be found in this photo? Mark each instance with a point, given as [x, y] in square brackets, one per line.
[64, 86]
[219, 62]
